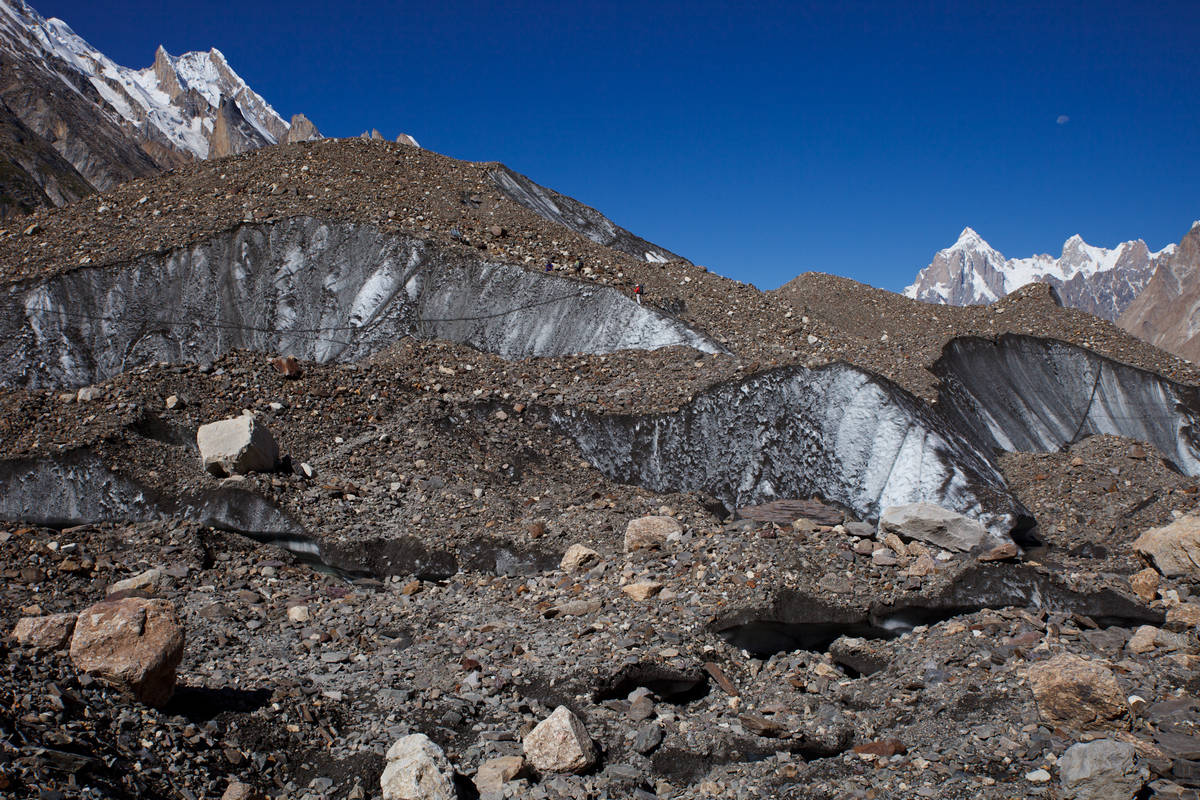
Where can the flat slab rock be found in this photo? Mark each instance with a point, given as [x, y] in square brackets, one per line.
[785, 512]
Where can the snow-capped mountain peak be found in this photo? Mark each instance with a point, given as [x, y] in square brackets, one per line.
[171, 107]
[970, 240]
[972, 272]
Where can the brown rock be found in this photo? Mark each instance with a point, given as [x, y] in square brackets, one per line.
[646, 533]
[287, 366]
[642, 590]
[51, 632]
[1145, 584]
[134, 644]
[1001, 552]
[1143, 640]
[761, 726]
[882, 747]
[495, 772]
[1182, 617]
[579, 557]
[240, 791]
[1174, 549]
[1075, 692]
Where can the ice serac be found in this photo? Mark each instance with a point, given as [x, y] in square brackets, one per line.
[836, 432]
[1021, 393]
[1100, 281]
[317, 290]
[573, 214]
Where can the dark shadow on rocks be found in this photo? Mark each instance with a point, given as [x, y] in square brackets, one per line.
[796, 621]
[384, 557]
[670, 685]
[200, 703]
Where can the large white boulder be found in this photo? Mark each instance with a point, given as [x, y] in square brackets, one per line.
[236, 446]
[1174, 548]
[932, 524]
[560, 743]
[417, 769]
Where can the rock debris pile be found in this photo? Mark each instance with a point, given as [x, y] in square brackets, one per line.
[432, 566]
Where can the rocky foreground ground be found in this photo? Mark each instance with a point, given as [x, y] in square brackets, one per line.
[442, 595]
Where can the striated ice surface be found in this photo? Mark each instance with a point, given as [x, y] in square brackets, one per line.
[319, 291]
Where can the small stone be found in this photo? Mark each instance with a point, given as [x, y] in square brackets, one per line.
[417, 769]
[178, 402]
[288, 367]
[1143, 639]
[1001, 552]
[495, 772]
[861, 530]
[923, 566]
[642, 590]
[648, 738]
[884, 558]
[133, 643]
[1038, 776]
[560, 743]
[1100, 770]
[1145, 584]
[1073, 691]
[645, 533]
[51, 632]
[578, 558]
[87, 394]
[149, 581]
[299, 614]
[236, 790]
[882, 747]
[1182, 617]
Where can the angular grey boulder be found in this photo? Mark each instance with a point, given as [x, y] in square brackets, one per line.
[936, 525]
[1100, 770]
[236, 446]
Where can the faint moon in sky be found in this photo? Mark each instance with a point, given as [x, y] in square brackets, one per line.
[1063, 119]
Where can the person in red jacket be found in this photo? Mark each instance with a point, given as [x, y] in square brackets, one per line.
[637, 293]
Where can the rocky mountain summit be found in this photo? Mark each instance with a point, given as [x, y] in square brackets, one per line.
[112, 123]
[1165, 313]
[345, 469]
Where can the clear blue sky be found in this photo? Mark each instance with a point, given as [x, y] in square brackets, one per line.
[760, 139]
